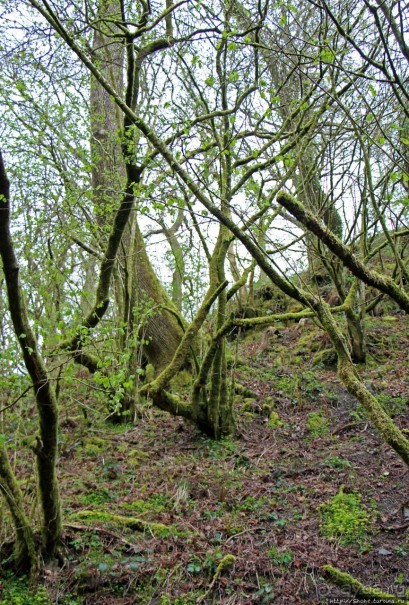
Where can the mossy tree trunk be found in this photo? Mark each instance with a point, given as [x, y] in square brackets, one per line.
[178, 275]
[389, 432]
[25, 552]
[46, 448]
[210, 395]
[212, 402]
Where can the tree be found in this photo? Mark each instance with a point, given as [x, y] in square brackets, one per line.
[384, 424]
[46, 446]
[208, 130]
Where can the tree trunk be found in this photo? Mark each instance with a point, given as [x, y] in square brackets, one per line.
[25, 553]
[46, 449]
[137, 283]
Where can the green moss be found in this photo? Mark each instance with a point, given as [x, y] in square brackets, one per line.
[182, 380]
[326, 357]
[136, 457]
[230, 358]
[156, 504]
[317, 424]
[309, 341]
[346, 519]
[337, 462]
[157, 529]
[354, 587]
[248, 405]
[15, 591]
[96, 498]
[393, 405]
[274, 420]
[149, 373]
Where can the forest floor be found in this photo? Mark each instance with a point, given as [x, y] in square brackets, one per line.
[305, 482]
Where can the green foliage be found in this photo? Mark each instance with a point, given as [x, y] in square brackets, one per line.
[97, 498]
[359, 413]
[15, 591]
[317, 424]
[337, 462]
[113, 376]
[283, 559]
[185, 600]
[194, 566]
[266, 593]
[346, 519]
[222, 448]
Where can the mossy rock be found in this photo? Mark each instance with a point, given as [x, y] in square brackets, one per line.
[326, 358]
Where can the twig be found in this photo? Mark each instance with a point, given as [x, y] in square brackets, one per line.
[245, 531]
[10, 405]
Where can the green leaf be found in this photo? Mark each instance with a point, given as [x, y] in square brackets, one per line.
[20, 85]
[327, 56]
[372, 90]
[209, 81]
[102, 567]
[404, 140]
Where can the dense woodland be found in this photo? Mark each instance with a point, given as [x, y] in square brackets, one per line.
[203, 301]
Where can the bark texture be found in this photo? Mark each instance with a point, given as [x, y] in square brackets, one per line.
[46, 449]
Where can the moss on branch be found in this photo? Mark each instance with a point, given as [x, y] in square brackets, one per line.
[225, 564]
[382, 282]
[344, 580]
[133, 523]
